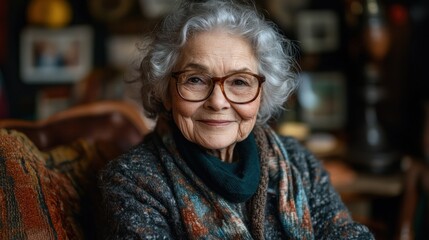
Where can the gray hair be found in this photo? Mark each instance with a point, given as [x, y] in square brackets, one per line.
[272, 51]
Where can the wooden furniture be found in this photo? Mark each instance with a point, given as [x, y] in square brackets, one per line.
[363, 192]
[409, 189]
[114, 125]
[414, 212]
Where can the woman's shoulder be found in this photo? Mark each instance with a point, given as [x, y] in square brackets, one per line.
[294, 148]
[142, 159]
[301, 157]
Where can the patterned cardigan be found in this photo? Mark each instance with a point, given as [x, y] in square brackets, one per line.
[150, 193]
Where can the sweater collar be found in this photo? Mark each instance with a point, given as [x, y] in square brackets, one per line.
[237, 181]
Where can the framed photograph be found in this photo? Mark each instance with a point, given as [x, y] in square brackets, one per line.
[318, 31]
[55, 55]
[284, 12]
[322, 96]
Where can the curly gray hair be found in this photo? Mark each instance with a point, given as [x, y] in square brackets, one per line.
[272, 51]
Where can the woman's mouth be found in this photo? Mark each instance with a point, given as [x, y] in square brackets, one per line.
[215, 123]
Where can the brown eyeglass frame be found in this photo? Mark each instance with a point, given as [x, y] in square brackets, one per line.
[221, 80]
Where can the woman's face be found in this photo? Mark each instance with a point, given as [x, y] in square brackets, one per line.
[215, 123]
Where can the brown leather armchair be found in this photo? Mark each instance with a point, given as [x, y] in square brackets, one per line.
[116, 123]
[49, 168]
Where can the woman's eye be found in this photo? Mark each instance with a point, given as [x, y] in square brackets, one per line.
[239, 82]
[196, 80]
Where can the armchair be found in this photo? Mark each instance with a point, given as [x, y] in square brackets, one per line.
[49, 168]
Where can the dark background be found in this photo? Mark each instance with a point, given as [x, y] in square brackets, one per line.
[406, 72]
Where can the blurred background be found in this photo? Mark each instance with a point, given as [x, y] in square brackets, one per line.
[362, 105]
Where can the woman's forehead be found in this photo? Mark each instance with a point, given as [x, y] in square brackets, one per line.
[216, 48]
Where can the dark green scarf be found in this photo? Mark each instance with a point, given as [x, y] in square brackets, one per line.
[237, 181]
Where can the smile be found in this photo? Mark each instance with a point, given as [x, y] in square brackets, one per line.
[216, 122]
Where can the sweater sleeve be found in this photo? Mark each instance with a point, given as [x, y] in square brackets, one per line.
[330, 217]
[136, 199]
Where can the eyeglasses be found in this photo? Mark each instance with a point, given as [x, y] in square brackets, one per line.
[238, 87]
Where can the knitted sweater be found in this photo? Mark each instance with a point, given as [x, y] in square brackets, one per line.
[141, 202]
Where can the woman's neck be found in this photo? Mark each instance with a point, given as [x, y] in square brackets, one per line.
[225, 154]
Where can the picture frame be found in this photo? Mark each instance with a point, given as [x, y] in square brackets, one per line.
[322, 97]
[284, 12]
[318, 31]
[55, 55]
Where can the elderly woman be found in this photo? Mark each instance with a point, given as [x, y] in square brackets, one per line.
[213, 74]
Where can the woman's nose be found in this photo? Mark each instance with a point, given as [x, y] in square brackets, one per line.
[217, 99]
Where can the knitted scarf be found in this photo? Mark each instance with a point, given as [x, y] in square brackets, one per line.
[208, 215]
